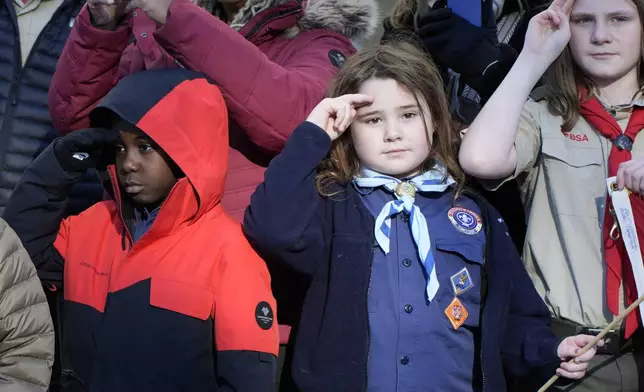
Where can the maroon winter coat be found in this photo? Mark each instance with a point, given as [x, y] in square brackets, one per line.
[272, 72]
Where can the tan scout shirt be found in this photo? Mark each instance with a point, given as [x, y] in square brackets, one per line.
[31, 21]
[562, 182]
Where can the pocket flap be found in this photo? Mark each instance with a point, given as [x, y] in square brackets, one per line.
[181, 298]
[573, 156]
[472, 250]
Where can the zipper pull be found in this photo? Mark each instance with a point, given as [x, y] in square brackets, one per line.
[14, 91]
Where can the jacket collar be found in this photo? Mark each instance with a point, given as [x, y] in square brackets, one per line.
[354, 19]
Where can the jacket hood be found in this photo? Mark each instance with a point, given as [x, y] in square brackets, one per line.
[354, 19]
[185, 114]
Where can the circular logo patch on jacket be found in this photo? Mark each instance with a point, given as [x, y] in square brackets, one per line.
[464, 220]
[337, 58]
[264, 315]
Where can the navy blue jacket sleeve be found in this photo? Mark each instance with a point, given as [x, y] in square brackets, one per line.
[529, 345]
[36, 209]
[241, 371]
[285, 220]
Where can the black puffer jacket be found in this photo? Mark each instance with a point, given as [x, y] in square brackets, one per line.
[25, 125]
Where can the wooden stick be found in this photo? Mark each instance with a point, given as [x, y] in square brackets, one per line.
[597, 338]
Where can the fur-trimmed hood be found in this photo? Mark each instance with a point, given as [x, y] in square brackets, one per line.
[354, 19]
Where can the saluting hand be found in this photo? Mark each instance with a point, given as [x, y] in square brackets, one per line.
[568, 349]
[334, 115]
[157, 10]
[549, 32]
[87, 148]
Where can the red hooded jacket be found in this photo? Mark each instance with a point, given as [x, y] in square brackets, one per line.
[188, 305]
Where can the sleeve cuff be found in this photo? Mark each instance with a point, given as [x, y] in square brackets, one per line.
[99, 38]
[310, 142]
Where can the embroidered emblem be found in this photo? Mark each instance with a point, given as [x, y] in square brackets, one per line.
[264, 315]
[575, 137]
[456, 313]
[465, 221]
[81, 156]
[461, 281]
[337, 58]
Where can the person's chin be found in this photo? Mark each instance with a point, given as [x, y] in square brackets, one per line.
[606, 69]
[401, 171]
[140, 198]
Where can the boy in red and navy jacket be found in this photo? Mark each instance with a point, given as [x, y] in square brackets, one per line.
[162, 291]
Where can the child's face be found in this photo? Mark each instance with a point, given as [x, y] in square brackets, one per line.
[390, 136]
[142, 170]
[606, 38]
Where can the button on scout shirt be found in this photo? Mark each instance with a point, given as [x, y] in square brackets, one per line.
[413, 344]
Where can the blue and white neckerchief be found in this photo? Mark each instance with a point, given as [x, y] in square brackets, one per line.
[435, 180]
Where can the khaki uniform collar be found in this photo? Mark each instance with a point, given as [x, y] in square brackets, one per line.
[24, 6]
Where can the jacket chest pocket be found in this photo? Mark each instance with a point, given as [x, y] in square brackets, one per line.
[574, 177]
[459, 267]
[181, 298]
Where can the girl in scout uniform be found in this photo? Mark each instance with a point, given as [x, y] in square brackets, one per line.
[415, 284]
[562, 145]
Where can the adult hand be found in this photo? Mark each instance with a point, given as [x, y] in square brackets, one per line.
[85, 149]
[157, 10]
[630, 175]
[548, 33]
[334, 115]
[107, 14]
[568, 349]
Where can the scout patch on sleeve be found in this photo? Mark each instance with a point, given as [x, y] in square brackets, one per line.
[461, 281]
[465, 221]
[456, 313]
[336, 58]
[264, 315]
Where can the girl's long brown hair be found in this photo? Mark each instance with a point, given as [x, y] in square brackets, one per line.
[564, 76]
[413, 70]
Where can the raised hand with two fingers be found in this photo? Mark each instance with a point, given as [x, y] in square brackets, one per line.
[549, 32]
